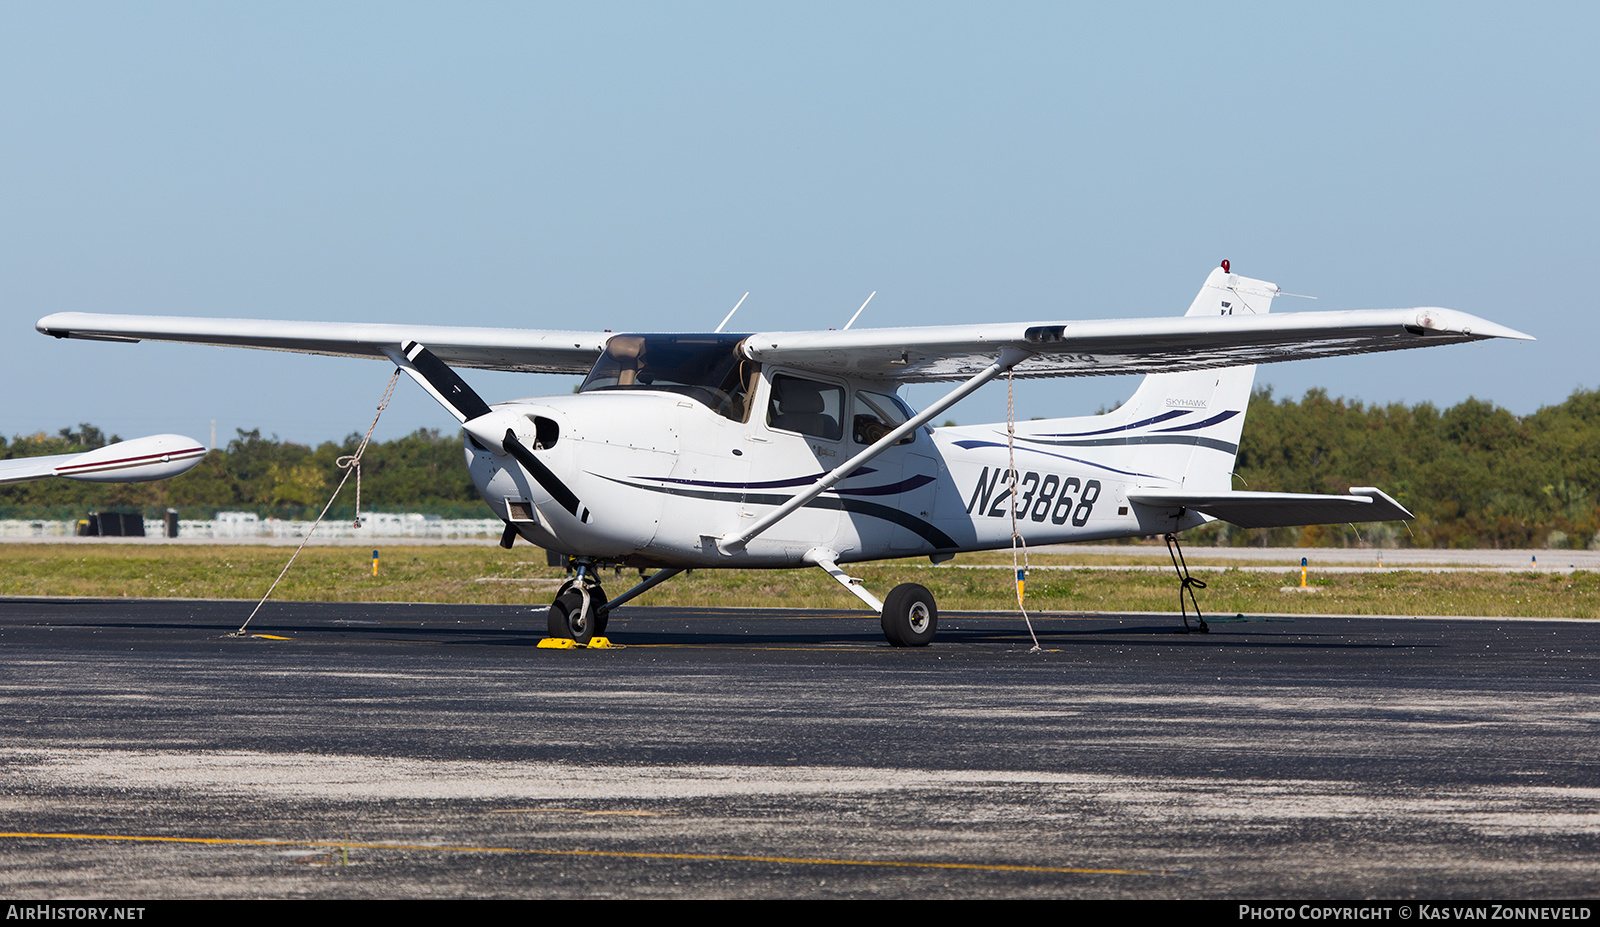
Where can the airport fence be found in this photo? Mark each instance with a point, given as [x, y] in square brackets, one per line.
[226, 525]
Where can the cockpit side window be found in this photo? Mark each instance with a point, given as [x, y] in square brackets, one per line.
[877, 414]
[806, 406]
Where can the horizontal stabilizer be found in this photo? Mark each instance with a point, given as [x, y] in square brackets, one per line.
[1279, 509]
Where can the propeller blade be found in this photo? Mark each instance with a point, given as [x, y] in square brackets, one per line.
[552, 484]
[444, 384]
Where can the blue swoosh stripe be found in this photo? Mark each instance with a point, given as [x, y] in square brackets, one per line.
[1219, 417]
[1212, 443]
[1163, 417]
[769, 484]
[1078, 460]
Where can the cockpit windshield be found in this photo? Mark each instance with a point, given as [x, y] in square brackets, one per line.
[707, 368]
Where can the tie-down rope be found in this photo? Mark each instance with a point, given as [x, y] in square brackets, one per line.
[350, 463]
[1011, 480]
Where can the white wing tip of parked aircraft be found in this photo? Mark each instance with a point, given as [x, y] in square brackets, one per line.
[1434, 318]
[139, 460]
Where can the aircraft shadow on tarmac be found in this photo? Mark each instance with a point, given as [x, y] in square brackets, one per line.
[522, 626]
[851, 632]
[1002, 632]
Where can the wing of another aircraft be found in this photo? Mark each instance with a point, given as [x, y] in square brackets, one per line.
[139, 460]
[1280, 509]
[515, 349]
[23, 469]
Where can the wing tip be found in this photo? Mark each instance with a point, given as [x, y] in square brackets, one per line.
[1374, 494]
[1433, 318]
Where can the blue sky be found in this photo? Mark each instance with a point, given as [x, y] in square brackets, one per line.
[640, 166]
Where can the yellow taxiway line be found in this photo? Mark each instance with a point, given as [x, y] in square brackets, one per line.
[619, 854]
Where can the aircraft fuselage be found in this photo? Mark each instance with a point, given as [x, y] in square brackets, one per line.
[661, 478]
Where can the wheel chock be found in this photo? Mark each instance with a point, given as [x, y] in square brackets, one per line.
[567, 643]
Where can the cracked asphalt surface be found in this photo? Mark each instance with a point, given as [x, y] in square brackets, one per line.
[428, 751]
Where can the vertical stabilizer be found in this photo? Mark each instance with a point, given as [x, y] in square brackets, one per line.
[1179, 430]
[1205, 409]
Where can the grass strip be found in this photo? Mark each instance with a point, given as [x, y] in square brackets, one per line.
[489, 575]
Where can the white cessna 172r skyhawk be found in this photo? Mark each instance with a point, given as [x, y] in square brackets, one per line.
[790, 449]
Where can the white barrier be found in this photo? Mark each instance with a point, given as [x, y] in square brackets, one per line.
[249, 525]
[38, 529]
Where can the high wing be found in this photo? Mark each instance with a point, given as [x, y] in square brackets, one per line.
[912, 355]
[516, 349]
[1100, 348]
[1280, 509]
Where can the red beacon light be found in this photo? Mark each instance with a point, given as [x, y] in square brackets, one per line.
[1225, 268]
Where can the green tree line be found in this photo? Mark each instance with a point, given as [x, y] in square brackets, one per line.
[1474, 474]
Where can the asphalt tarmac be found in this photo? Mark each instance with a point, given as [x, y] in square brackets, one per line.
[425, 751]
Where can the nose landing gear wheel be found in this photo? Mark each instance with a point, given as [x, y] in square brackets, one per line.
[567, 617]
[910, 616]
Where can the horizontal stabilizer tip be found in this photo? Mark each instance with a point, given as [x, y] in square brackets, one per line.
[1279, 509]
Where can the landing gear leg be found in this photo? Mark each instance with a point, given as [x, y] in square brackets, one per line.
[1186, 583]
[579, 611]
[909, 615]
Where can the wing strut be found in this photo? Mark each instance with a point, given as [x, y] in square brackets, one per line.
[1009, 358]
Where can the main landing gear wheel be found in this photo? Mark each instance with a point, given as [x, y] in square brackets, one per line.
[568, 619]
[909, 616]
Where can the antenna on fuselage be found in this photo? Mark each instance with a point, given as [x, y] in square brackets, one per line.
[731, 312]
[858, 312]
